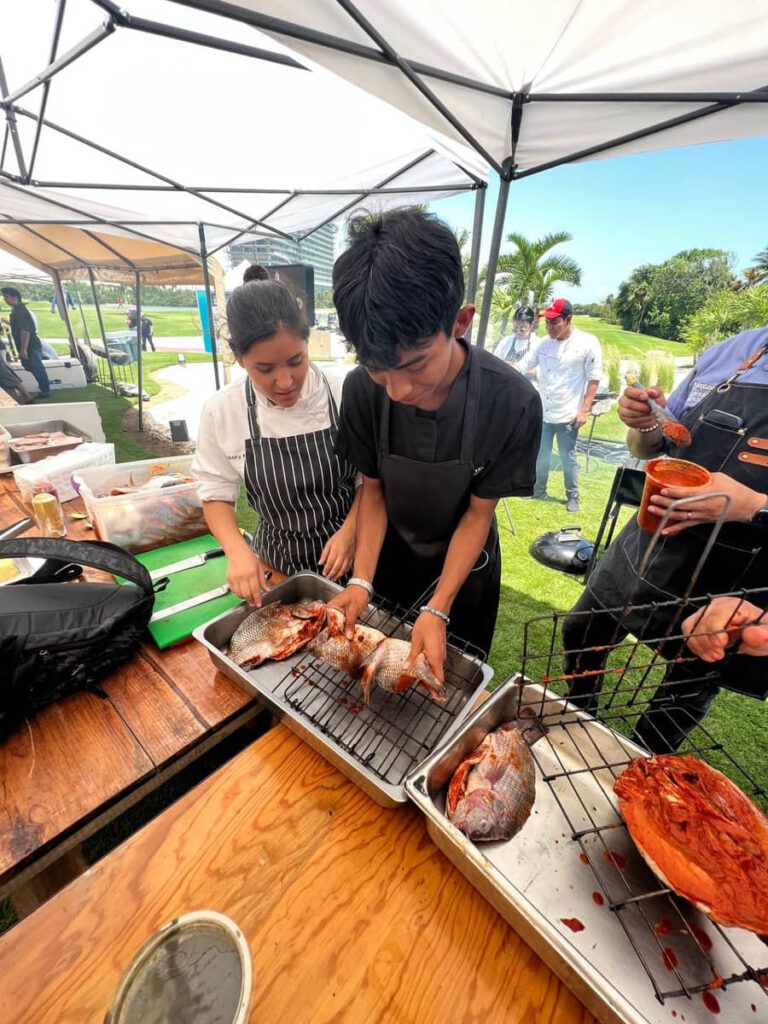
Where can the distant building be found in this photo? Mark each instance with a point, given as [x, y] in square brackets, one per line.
[317, 250]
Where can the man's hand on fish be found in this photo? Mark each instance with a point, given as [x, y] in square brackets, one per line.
[744, 503]
[246, 576]
[339, 552]
[352, 601]
[723, 622]
[429, 638]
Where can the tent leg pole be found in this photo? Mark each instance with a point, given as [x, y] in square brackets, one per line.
[208, 302]
[139, 361]
[474, 259]
[64, 312]
[493, 257]
[103, 333]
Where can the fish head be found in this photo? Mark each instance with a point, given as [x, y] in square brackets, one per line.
[481, 815]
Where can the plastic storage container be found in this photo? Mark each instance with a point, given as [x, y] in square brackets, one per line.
[59, 469]
[143, 519]
[44, 451]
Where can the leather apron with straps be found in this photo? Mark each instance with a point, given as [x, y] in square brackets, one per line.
[425, 502]
[300, 489]
[738, 557]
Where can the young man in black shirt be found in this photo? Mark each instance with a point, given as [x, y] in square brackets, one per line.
[26, 339]
[440, 431]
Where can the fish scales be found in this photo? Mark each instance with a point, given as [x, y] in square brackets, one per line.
[275, 632]
[338, 650]
[384, 667]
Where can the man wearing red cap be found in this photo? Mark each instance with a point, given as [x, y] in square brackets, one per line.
[569, 362]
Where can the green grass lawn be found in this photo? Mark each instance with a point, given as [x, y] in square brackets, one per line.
[166, 323]
[628, 343]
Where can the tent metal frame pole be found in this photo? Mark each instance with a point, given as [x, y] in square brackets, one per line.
[110, 248]
[87, 43]
[103, 333]
[493, 259]
[283, 202]
[641, 133]
[286, 192]
[139, 359]
[474, 257]
[136, 165]
[62, 299]
[54, 245]
[757, 96]
[364, 194]
[61, 6]
[12, 125]
[349, 8]
[208, 302]
[291, 30]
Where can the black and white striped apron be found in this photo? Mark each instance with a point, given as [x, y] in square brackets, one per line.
[300, 489]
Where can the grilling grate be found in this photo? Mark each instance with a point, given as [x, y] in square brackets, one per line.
[395, 731]
[665, 931]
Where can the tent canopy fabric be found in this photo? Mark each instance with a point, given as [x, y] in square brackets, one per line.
[527, 69]
[192, 133]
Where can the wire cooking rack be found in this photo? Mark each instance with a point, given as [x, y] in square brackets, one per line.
[394, 731]
[616, 682]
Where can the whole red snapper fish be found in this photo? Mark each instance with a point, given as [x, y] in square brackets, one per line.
[492, 791]
[275, 632]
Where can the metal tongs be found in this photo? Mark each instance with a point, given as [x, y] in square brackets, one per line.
[670, 426]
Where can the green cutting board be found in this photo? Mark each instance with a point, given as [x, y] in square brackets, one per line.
[183, 585]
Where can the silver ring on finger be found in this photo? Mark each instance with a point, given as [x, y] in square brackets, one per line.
[690, 515]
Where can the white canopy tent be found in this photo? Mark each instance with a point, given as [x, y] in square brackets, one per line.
[531, 85]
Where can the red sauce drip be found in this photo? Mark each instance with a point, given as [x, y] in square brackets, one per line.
[614, 859]
[663, 927]
[350, 705]
[674, 1013]
[711, 1002]
[573, 923]
[584, 858]
[670, 960]
[717, 982]
[762, 979]
[701, 937]
[598, 898]
[753, 1007]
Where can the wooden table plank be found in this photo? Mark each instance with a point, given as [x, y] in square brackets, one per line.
[352, 914]
[64, 762]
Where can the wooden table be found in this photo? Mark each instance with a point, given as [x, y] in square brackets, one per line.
[78, 763]
[352, 914]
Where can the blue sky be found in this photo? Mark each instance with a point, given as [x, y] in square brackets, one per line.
[638, 209]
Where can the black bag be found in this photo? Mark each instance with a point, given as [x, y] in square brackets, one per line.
[57, 638]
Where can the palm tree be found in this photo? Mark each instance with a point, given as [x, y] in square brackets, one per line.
[534, 268]
[761, 265]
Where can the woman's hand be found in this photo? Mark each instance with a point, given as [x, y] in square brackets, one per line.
[352, 601]
[743, 505]
[723, 622]
[339, 552]
[429, 638]
[634, 410]
[246, 576]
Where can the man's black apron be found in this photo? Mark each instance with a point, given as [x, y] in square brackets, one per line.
[738, 559]
[425, 501]
[300, 489]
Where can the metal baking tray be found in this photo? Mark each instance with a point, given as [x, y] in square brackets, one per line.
[19, 430]
[539, 879]
[376, 746]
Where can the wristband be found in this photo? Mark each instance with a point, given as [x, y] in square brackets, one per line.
[647, 430]
[356, 582]
[437, 612]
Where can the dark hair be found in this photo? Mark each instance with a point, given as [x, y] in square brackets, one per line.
[255, 273]
[258, 310]
[525, 313]
[13, 292]
[399, 282]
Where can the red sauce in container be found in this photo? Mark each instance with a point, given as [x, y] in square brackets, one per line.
[661, 473]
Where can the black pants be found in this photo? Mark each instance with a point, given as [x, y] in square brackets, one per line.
[402, 578]
[681, 701]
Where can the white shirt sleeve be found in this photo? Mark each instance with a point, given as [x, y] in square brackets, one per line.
[593, 360]
[219, 478]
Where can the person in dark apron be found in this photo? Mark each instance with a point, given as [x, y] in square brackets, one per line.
[439, 430]
[276, 432]
[725, 408]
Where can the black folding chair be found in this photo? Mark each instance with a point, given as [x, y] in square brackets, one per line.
[626, 490]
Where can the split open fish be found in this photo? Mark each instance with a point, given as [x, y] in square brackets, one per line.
[334, 647]
[492, 791]
[275, 631]
[701, 835]
[384, 668]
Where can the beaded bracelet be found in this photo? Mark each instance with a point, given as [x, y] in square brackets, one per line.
[366, 586]
[647, 430]
[437, 612]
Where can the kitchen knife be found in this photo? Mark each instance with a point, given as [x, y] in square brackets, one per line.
[185, 563]
[191, 602]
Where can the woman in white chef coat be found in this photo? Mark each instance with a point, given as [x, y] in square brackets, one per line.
[276, 431]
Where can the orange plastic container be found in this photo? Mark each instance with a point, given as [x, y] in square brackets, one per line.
[661, 473]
